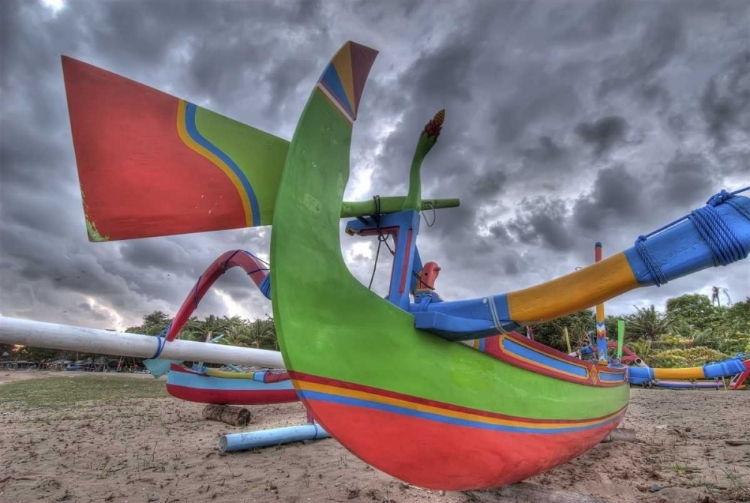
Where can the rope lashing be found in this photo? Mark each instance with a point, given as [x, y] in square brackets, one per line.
[161, 342]
[725, 246]
[654, 269]
[495, 317]
[226, 262]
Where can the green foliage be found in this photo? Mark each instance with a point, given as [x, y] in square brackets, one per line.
[153, 324]
[693, 357]
[646, 323]
[37, 354]
[693, 310]
[643, 348]
[669, 341]
[236, 331]
[578, 324]
[672, 358]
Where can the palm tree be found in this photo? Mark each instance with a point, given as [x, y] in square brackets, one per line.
[716, 295]
[263, 334]
[648, 323]
[237, 335]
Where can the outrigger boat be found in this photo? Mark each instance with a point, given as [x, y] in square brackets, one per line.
[438, 393]
[230, 388]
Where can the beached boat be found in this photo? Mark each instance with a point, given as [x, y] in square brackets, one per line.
[385, 377]
[388, 378]
[230, 388]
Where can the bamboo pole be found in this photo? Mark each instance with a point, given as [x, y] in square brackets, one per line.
[90, 340]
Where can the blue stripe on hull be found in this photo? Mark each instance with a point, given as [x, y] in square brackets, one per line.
[325, 397]
[224, 384]
[514, 348]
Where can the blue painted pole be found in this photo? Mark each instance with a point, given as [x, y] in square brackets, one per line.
[265, 438]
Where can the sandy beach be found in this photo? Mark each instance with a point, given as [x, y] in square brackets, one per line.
[161, 450]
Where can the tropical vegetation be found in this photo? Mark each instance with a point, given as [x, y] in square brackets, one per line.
[694, 329]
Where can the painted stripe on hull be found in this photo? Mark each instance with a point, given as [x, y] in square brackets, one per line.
[223, 383]
[450, 417]
[497, 457]
[522, 352]
[231, 397]
[324, 389]
[194, 387]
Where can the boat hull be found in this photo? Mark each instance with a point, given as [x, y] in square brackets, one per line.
[192, 386]
[431, 412]
[461, 455]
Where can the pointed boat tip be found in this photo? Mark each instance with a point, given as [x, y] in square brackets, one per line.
[363, 48]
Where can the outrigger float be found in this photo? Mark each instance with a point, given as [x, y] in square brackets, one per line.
[438, 393]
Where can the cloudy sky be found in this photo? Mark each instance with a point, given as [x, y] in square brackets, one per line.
[567, 123]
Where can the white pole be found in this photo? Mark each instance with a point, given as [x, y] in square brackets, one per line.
[90, 340]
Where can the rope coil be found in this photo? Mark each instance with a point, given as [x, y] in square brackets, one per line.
[724, 244]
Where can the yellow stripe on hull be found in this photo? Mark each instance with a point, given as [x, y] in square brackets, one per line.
[571, 293]
[362, 395]
[229, 375]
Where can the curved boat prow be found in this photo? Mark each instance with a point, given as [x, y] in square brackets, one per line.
[717, 234]
[430, 412]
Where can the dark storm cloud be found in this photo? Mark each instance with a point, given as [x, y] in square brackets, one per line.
[726, 101]
[546, 150]
[686, 179]
[661, 38]
[602, 134]
[530, 91]
[541, 221]
[489, 184]
[616, 193]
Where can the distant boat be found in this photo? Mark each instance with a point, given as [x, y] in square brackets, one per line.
[230, 388]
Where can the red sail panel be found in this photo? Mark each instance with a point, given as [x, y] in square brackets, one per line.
[138, 178]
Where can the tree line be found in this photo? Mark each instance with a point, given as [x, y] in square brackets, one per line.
[693, 330]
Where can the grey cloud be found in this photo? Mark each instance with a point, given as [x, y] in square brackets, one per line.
[541, 221]
[546, 150]
[544, 98]
[661, 39]
[603, 133]
[726, 101]
[687, 180]
[616, 193]
[515, 78]
[489, 184]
